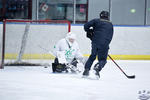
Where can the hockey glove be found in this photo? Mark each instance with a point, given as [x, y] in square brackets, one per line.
[89, 34]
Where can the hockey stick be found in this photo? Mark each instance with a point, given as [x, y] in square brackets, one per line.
[45, 50]
[130, 77]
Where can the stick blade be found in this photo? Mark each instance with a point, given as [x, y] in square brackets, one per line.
[131, 77]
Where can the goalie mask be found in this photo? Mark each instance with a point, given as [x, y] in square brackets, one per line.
[71, 37]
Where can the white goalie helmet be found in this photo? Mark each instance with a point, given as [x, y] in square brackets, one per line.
[71, 37]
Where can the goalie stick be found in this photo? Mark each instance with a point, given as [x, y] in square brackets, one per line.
[129, 77]
[45, 49]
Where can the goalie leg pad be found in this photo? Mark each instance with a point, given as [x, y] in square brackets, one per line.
[57, 67]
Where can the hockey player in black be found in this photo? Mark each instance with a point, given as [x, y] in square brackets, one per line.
[100, 31]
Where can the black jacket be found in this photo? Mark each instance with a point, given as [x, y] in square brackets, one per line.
[102, 31]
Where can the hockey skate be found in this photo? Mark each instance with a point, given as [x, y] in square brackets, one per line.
[97, 73]
[86, 73]
[97, 70]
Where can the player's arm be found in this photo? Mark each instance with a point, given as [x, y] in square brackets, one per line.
[88, 27]
[56, 48]
[79, 56]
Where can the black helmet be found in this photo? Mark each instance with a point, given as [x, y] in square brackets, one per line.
[104, 15]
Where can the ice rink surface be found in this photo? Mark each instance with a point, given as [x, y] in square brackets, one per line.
[39, 83]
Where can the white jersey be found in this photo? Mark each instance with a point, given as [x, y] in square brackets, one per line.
[70, 50]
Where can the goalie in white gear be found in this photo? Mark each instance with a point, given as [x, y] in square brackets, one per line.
[66, 51]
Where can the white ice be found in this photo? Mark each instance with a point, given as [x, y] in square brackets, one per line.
[39, 83]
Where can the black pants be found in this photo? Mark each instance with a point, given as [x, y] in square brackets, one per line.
[101, 52]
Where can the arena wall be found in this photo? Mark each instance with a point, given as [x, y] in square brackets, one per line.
[129, 42]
